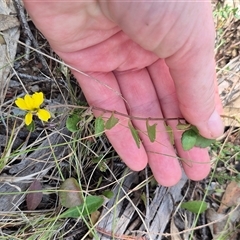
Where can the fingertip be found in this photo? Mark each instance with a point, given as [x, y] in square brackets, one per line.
[200, 174]
[168, 177]
[136, 165]
[170, 180]
[213, 127]
[196, 163]
[135, 158]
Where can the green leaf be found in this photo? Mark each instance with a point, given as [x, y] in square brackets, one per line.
[151, 130]
[170, 133]
[99, 126]
[31, 127]
[194, 129]
[90, 205]
[195, 206]
[108, 194]
[70, 194]
[189, 138]
[200, 141]
[101, 163]
[99, 181]
[144, 199]
[134, 133]
[203, 142]
[111, 122]
[182, 126]
[72, 122]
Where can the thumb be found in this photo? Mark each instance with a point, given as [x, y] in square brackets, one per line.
[196, 88]
[192, 68]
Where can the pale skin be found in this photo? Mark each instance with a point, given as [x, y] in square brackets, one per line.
[151, 59]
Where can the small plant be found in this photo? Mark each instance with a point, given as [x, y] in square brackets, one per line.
[32, 105]
[190, 137]
[224, 12]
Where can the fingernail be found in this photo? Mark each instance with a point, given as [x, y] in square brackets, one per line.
[214, 127]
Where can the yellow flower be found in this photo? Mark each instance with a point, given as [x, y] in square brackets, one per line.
[32, 104]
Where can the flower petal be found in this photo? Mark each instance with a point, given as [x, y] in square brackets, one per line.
[29, 102]
[21, 104]
[43, 114]
[37, 99]
[28, 118]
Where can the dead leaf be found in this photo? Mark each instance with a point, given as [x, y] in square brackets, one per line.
[33, 199]
[232, 110]
[219, 227]
[71, 193]
[231, 197]
[223, 225]
[8, 21]
[94, 218]
[174, 231]
[229, 85]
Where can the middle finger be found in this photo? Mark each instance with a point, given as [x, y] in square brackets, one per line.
[139, 92]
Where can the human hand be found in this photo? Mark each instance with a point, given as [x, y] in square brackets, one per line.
[122, 45]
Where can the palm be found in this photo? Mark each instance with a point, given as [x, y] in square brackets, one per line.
[117, 53]
[100, 47]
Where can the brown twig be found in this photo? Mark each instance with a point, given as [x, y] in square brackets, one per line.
[33, 78]
[135, 117]
[150, 118]
[121, 237]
